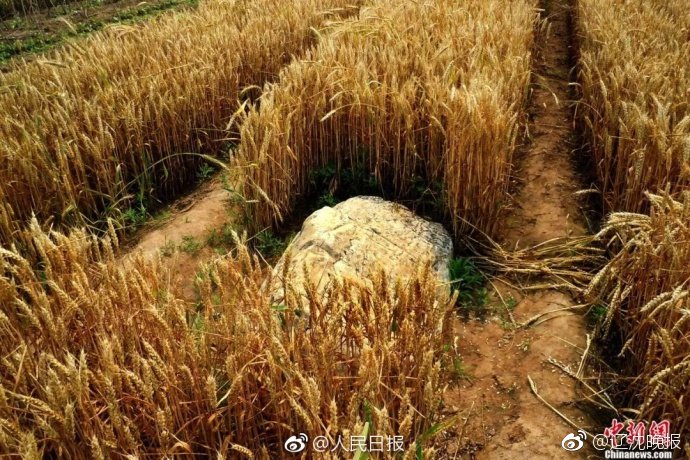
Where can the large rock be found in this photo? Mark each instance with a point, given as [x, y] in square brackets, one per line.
[360, 236]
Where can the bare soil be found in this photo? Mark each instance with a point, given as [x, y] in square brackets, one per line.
[192, 220]
[500, 416]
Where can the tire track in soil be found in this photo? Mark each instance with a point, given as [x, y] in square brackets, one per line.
[500, 418]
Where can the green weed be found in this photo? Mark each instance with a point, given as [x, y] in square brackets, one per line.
[468, 282]
[431, 433]
[26, 45]
[427, 195]
[135, 216]
[333, 186]
[168, 249]
[327, 199]
[162, 216]
[459, 371]
[236, 197]
[204, 172]
[219, 238]
[596, 314]
[505, 310]
[190, 245]
[270, 245]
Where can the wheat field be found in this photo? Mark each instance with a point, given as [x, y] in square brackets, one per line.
[634, 76]
[645, 289]
[105, 357]
[102, 359]
[87, 128]
[407, 91]
[635, 85]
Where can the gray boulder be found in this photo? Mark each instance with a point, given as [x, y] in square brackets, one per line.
[359, 237]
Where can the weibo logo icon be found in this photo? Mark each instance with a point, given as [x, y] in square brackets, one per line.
[574, 441]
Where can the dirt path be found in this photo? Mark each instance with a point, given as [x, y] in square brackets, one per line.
[197, 225]
[500, 416]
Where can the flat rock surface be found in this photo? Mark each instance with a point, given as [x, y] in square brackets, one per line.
[361, 236]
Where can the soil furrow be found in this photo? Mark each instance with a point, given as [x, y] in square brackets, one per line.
[500, 417]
